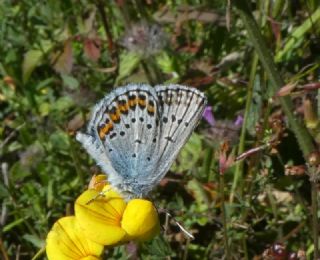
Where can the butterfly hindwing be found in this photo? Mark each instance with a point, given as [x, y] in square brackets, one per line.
[181, 107]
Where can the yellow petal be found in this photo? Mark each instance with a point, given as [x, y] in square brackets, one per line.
[90, 258]
[101, 219]
[140, 220]
[66, 241]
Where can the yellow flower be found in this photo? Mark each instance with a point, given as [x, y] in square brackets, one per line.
[109, 220]
[66, 241]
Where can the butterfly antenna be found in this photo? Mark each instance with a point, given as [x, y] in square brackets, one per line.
[184, 231]
[100, 194]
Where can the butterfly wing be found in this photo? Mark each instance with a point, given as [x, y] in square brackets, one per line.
[181, 109]
[121, 137]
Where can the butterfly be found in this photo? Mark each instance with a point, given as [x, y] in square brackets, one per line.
[136, 132]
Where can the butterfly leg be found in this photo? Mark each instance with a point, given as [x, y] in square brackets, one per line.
[99, 195]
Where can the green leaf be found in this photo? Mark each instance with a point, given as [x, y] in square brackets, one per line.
[63, 103]
[60, 141]
[13, 224]
[256, 106]
[157, 247]
[128, 62]
[70, 82]
[165, 62]
[31, 60]
[36, 241]
[297, 36]
[18, 172]
[44, 83]
[44, 109]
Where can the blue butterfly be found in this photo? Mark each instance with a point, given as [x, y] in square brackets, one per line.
[136, 132]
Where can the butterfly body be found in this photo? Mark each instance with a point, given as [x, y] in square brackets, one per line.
[137, 131]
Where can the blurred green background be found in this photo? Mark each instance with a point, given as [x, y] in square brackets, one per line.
[58, 58]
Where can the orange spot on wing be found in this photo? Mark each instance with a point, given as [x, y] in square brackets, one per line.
[142, 102]
[124, 108]
[133, 102]
[116, 115]
[150, 109]
[105, 130]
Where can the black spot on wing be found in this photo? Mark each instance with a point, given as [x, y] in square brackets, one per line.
[169, 138]
[142, 96]
[113, 135]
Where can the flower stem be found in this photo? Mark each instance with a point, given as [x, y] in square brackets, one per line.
[224, 219]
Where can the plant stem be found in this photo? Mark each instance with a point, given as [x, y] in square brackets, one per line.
[241, 148]
[314, 197]
[224, 219]
[111, 45]
[39, 253]
[205, 171]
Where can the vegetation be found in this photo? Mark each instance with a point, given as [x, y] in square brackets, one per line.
[245, 185]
